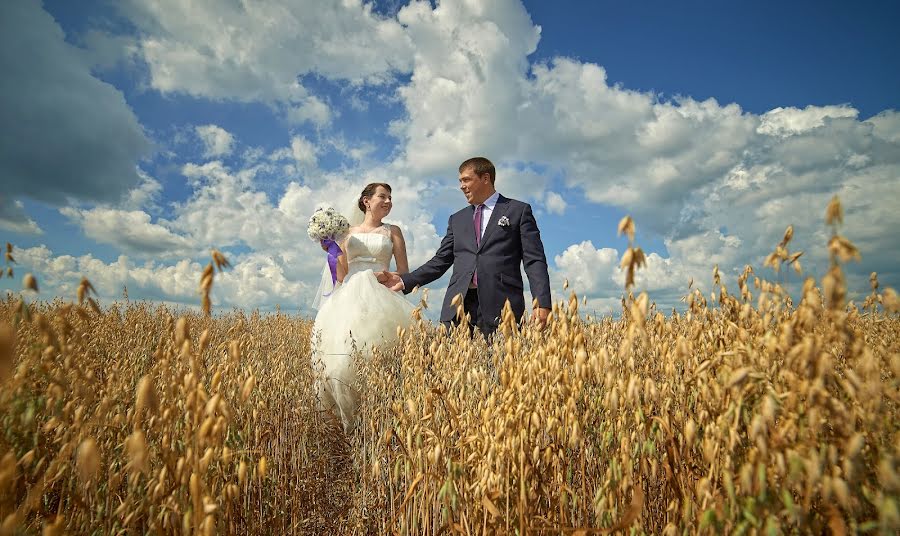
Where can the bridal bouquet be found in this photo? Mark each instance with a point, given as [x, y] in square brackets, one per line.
[326, 226]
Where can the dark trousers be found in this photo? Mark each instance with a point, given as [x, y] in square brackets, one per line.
[470, 306]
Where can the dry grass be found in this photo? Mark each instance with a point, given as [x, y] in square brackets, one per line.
[756, 415]
[173, 425]
[730, 420]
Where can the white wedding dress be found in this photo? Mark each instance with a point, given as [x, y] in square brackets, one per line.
[359, 314]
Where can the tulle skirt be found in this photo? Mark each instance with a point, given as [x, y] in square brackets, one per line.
[359, 315]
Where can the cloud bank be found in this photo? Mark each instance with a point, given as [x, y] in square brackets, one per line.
[64, 134]
[710, 181]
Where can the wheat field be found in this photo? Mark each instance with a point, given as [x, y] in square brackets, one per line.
[745, 414]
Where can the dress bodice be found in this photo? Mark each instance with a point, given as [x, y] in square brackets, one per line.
[369, 251]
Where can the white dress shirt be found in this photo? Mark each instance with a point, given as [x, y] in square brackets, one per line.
[486, 212]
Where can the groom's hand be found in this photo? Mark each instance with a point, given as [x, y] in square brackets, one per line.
[540, 316]
[390, 279]
[395, 283]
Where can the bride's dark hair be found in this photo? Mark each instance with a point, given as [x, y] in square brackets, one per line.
[369, 191]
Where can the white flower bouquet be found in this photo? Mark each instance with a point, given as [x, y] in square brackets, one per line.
[327, 224]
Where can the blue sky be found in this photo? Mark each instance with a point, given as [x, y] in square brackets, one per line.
[139, 135]
[759, 54]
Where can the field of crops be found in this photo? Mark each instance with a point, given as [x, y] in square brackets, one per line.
[746, 413]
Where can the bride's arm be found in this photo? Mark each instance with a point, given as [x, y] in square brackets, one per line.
[399, 250]
[342, 266]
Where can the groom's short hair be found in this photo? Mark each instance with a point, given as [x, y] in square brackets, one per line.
[480, 165]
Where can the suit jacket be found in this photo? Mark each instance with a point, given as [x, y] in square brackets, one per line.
[503, 249]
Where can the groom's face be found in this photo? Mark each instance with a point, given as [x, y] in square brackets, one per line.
[476, 188]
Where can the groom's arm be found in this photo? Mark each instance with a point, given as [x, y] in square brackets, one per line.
[433, 269]
[534, 259]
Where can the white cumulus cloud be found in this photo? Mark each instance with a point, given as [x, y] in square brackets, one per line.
[258, 51]
[13, 217]
[130, 230]
[216, 140]
[555, 203]
[789, 121]
[302, 151]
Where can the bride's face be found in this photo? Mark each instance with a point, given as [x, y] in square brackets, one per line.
[380, 203]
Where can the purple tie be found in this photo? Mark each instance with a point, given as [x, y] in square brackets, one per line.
[478, 211]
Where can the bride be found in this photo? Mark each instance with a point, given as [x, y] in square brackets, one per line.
[361, 312]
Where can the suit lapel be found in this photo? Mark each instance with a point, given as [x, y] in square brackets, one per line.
[498, 212]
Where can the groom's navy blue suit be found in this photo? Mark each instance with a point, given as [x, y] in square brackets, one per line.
[503, 249]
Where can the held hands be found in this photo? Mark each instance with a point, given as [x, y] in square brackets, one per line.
[390, 279]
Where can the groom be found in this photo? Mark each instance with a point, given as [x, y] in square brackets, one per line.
[486, 243]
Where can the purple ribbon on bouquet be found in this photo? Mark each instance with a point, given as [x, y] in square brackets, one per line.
[334, 251]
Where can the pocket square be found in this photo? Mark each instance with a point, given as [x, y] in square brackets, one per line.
[503, 222]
